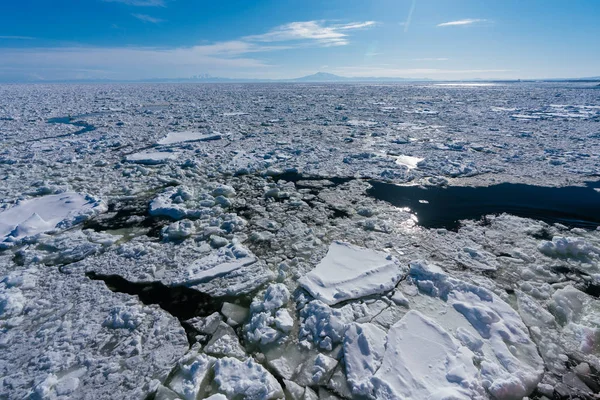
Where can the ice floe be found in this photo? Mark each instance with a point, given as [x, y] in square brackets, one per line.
[349, 272]
[33, 216]
[188, 136]
[151, 157]
[408, 161]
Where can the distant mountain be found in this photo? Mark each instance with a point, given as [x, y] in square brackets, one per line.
[321, 77]
[327, 77]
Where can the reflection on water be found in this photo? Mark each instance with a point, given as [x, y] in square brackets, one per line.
[438, 207]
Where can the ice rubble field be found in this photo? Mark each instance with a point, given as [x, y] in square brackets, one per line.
[218, 241]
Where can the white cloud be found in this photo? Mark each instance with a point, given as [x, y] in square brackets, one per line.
[126, 63]
[140, 3]
[311, 31]
[229, 58]
[410, 14]
[431, 59]
[437, 73]
[17, 37]
[462, 22]
[147, 18]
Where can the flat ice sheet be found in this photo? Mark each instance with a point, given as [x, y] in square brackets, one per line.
[408, 161]
[188, 136]
[222, 262]
[350, 272]
[151, 158]
[422, 361]
[42, 214]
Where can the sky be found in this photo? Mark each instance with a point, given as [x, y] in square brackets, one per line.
[436, 39]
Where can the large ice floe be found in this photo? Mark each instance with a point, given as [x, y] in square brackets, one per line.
[34, 216]
[458, 341]
[334, 242]
[188, 136]
[349, 272]
[151, 157]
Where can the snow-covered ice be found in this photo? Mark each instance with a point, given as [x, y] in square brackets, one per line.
[422, 360]
[30, 217]
[246, 379]
[350, 272]
[188, 136]
[73, 338]
[151, 157]
[408, 161]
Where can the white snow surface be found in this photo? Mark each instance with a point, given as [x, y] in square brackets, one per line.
[409, 161]
[512, 367]
[364, 348]
[219, 263]
[191, 375]
[423, 361]
[350, 272]
[151, 157]
[269, 321]
[188, 136]
[43, 214]
[245, 379]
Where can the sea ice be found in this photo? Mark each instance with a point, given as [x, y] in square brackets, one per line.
[245, 379]
[423, 361]
[364, 347]
[31, 217]
[350, 272]
[409, 161]
[512, 367]
[269, 320]
[191, 375]
[222, 262]
[253, 211]
[74, 337]
[188, 136]
[151, 157]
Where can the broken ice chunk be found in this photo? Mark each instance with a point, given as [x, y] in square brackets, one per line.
[235, 314]
[248, 379]
[151, 158]
[284, 321]
[225, 343]
[207, 325]
[364, 346]
[42, 214]
[408, 161]
[188, 136]
[476, 259]
[191, 377]
[512, 367]
[350, 272]
[269, 322]
[225, 260]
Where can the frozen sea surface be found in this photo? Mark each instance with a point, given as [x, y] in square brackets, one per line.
[300, 241]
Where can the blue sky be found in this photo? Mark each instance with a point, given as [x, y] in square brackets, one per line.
[439, 39]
